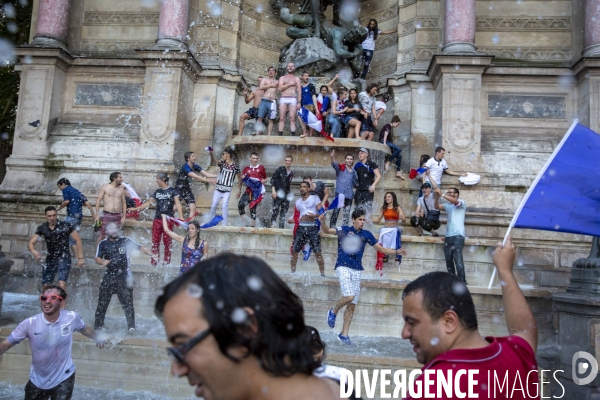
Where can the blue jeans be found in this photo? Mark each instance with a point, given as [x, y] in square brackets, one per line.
[367, 57]
[336, 125]
[395, 154]
[51, 267]
[75, 221]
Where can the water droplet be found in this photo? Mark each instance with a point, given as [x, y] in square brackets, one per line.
[459, 288]
[220, 304]
[194, 290]
[7, 52]
[557, 227]
[239, 315]
[434, 341]
[9, 10]
[255, 283]
[495, 39]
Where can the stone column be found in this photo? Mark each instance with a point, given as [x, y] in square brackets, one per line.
[459, 29]
[52, 24]
[591, 39]
[172, 24]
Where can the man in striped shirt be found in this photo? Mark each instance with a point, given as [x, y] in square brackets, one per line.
[229, 169]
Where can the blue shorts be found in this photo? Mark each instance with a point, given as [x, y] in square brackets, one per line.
[367, 125]
[61, 265]
[264, 109]
[75, 222]
[347, 118]
[252, 113]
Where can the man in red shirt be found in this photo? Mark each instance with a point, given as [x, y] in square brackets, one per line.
[252, 171]
[441, 324]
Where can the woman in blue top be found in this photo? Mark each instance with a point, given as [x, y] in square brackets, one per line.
[192, 248]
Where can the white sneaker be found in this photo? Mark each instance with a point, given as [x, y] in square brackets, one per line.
[131, 331]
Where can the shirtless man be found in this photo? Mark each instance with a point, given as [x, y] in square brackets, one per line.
[252, 113]
[289, 86]
[266, 109]
[113, 195]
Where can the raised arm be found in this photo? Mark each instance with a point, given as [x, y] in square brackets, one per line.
[437, 193]
[519, 318]
[330, 84]
[169, 232]
[248, 96]
[324, 227]
[388, 32]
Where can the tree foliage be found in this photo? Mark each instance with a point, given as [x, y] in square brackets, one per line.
[15, 23]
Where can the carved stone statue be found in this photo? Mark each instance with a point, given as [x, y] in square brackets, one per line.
[343, 36]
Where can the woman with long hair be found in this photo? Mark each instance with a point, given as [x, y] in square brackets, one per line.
[193, 249]
[335, 118]
[368, 44]
[353, 112]
[389, 235]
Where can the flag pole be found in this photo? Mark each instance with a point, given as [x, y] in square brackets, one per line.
[526, 197]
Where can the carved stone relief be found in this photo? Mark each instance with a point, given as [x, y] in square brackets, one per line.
[547, 23]
[119, 18]
[519, 106]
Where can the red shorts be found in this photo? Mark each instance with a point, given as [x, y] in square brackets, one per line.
[108, 217]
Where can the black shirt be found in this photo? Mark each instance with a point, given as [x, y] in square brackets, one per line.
[281, 180]
[366, 174]
[319, 190]
[386, 128]
[117, 251]
[353, 108]
[183, 180]
[57, 239]
[165, 201]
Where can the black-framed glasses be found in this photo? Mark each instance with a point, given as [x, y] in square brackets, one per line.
[177, 353]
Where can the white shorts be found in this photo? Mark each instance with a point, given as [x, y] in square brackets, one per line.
[349, 282]
[292, 101]
[273, 110]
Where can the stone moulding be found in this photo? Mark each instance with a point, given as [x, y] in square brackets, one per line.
[424, 23]
[264, 14]
[546, 23]
[253, 66]
[264, 42]
[119, 18]
[527, 106]
[380, 16]
[386, 41]
[111, 46]
[530, 53]
[108, 95]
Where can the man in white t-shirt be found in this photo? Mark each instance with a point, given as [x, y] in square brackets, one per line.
[437, 166]
[307, 206]
[50, 335]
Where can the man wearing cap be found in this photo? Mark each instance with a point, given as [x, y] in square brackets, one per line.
[427, 217]
[368, 177]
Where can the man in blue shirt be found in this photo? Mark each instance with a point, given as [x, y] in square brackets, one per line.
[351, 246]
[74, 201]
[455, 230]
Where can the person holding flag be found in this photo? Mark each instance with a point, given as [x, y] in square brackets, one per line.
[254, 177]
[193, 249]
[345, 181]
[306, 229]
[389, 235]
[308, 102]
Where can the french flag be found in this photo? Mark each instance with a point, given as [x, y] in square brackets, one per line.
[257, 188]
[312, 121]
[337, 202]
[184, 223]
[414, 172]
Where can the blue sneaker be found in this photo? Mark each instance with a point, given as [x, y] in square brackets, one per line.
[345, 339]
[331, 318]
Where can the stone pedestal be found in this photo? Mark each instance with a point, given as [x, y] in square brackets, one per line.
[172, 24]
[459, 29]
[457, 84]
[52, 24]
[591, 33]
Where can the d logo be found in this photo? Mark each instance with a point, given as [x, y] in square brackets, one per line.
[583, 367]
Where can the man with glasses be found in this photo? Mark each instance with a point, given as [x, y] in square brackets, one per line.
[238, 332]
[50, 335]
[455, 230]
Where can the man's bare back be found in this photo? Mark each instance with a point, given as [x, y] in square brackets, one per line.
[112, 197]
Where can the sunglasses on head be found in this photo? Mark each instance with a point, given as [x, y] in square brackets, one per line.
[51, 297]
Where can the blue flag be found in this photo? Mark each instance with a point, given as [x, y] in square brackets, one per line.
[565, 196]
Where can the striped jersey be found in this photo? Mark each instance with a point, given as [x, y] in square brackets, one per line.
[226, 176]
